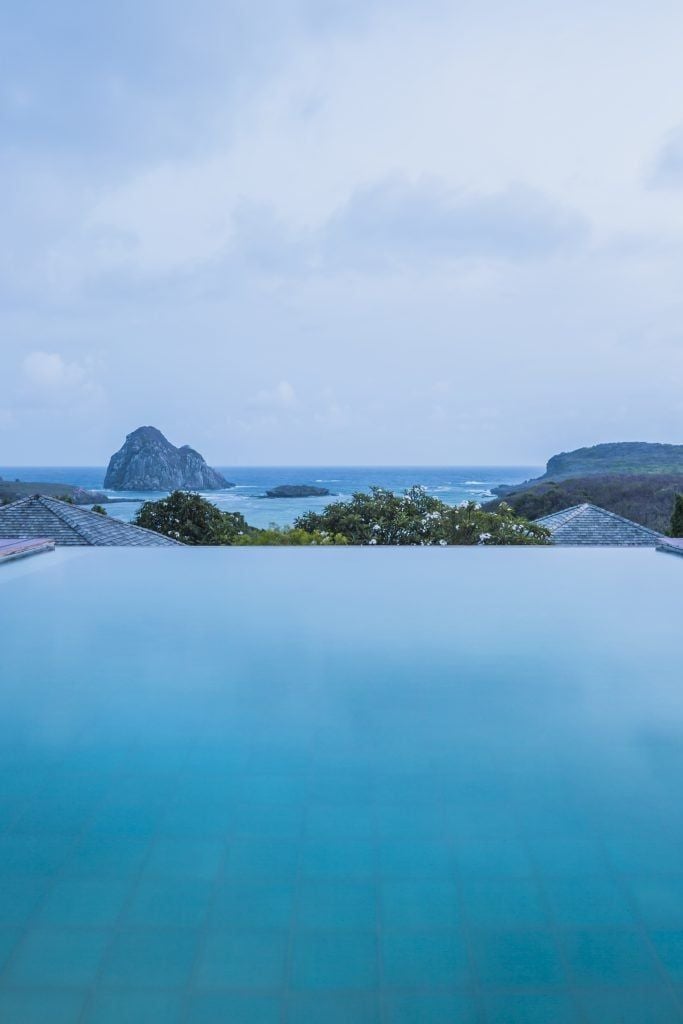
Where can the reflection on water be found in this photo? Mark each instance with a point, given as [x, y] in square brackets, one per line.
[342, 785]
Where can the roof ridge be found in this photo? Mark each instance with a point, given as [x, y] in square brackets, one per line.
[45, 498]
[622, 519]
[97, 519]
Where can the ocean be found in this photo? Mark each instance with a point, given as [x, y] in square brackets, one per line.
[452, 484]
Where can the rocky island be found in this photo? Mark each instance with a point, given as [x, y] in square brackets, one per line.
[296, 491]
[147, 461]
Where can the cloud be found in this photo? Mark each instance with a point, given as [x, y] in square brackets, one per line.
[396, 221]
[668, 167]
[282, 396]
[51, 380]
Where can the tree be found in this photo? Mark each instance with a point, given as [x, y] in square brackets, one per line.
[100, 509]
[676, 528]
[382, 517]
[191, 519]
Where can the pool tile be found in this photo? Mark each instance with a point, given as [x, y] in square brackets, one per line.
[337, 904]
[503, 903]
[423, 959]
[23, 856]
[568, 858]
[274, 821]
[609, 957]
[262, 858]
[150, 958]
[669, 946]
[238, 958]
[531, 1008]
[19, 898]
[133, 1007]
[630, 1006]
[108, 856]
[431, 1008]
[233, 1008]
[646, 856]
[410, 821]
[47, 1006]
[344, 859]
[420, 904]
[185, 858]
[588, 901]
[321, 1008]
[417, 859]
[9, 938]
[177, 902]
[334, 960]
[341, 821]
[492, 858]
[518, 959]
[660, 900]
[253, 905]
[58, 957]
[89, 902]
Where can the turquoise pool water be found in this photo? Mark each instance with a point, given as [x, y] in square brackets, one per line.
[362, 785]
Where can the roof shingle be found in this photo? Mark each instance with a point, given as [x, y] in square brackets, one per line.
[69, 525]
[590, 525]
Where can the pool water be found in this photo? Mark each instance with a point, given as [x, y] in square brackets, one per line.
[341, 785]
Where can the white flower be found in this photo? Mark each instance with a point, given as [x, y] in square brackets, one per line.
[442, 543]
[373, 540]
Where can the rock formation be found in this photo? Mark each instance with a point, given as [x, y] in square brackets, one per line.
[147, 461]
[296, 491]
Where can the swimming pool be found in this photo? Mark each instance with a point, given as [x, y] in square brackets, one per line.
[341, 785]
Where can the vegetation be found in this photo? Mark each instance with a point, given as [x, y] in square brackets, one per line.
[100, 509]
[288, 536]
[647, 498]
[382, 517]
[676, 525]
[634, 458]
[12, 490]
[191, 519]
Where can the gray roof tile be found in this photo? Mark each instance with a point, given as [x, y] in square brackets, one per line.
[70, 525]
[590, 525]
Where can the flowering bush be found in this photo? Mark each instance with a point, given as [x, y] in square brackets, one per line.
[382, 517]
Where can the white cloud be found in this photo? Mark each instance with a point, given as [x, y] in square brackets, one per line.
[50, 379]
[282, 396]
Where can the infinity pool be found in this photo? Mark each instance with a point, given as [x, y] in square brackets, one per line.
[341, 786]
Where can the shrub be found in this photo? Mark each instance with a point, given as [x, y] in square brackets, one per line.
[191, 519]
[676, 528]
[382, 517]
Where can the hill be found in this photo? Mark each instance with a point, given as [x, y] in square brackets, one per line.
[646, 498]
[11, 490]
[629, 457]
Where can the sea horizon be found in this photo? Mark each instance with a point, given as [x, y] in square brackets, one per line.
[452, 484]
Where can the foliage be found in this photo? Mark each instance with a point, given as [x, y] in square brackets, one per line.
[100, 509]
[676, 525]
[288, 536]
[191, 519]
[382, 517]
[646, 499]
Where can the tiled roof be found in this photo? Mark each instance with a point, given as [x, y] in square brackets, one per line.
[672, 544]
[40, 516]
[590, 525]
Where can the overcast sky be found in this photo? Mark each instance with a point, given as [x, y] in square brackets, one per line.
[340, 231]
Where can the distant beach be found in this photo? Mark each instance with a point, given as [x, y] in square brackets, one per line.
[451, 484]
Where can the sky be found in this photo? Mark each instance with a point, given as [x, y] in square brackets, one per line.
[440, 232]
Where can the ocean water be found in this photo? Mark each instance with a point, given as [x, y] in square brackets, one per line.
[367, 786]
[452, 484]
